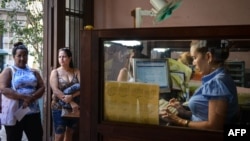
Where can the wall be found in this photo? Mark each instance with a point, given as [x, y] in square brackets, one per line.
[117, 13]
[240, 56]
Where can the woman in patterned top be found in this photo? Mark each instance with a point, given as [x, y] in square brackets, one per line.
[62, 78]
[26, 86]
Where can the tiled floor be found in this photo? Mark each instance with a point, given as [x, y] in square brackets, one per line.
[3, 135]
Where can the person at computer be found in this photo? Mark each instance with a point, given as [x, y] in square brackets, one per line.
[215, 102]
[115, 59]
[126, 73]
[187, 59]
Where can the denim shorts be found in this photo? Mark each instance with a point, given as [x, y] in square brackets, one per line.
[60, 123]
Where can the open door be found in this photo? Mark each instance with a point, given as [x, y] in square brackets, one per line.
[63, 20]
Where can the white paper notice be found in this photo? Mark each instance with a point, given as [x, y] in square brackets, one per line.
[21, 112]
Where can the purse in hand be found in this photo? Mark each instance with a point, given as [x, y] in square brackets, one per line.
[67, 113]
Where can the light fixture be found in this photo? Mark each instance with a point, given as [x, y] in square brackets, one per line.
[161, 10]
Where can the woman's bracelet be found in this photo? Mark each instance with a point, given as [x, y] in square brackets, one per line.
[186, 123]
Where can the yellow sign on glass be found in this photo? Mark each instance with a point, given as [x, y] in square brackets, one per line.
[131, 102]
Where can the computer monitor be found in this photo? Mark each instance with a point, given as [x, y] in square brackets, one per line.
[153, 71]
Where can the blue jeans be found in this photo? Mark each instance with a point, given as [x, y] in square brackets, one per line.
[60, 123]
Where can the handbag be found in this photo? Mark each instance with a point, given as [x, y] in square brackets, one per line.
[9, 107]
[67, 113]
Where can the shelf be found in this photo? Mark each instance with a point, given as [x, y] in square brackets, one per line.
[237, 71]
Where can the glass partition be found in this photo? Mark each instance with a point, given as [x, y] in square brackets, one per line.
[128, 99]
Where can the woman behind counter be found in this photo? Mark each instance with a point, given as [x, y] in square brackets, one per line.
[26, 86]
[215, 103]
[126, 73]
